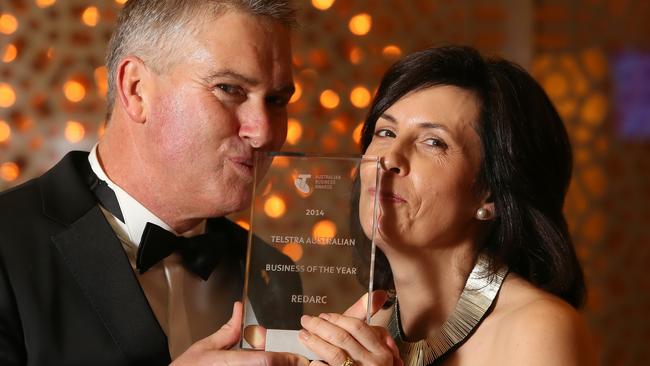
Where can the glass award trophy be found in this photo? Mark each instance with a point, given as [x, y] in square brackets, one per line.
[308, 252]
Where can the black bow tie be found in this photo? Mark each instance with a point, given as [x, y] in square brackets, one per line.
[200, 253]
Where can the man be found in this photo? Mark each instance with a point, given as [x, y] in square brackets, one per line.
[194, 89]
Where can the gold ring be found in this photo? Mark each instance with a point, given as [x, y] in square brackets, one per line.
[348, 362]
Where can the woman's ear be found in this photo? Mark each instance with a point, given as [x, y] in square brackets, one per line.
[131, 76]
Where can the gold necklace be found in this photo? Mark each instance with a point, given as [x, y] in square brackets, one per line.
[474, 303]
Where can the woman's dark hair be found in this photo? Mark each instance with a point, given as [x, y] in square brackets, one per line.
[526, 162]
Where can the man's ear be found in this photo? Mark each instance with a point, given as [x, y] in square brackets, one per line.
[132, 73]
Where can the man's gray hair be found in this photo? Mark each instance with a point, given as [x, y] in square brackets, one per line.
[150, 29]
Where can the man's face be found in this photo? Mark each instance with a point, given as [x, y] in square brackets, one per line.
[206, 114]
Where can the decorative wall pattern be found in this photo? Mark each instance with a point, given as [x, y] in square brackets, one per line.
[578, 50]
[53, 86]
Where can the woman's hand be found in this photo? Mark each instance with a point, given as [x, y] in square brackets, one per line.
[337, 338]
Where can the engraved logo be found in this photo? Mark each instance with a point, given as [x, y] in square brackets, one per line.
[301, 183]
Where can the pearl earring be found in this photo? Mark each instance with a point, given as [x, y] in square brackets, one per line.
[483, 213]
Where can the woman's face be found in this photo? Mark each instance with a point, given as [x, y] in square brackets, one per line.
[430, 156]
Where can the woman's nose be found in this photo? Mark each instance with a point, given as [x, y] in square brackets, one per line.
[395, 162]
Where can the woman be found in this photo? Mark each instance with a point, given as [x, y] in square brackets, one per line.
[475, 167]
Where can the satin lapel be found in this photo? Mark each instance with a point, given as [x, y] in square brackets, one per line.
[98, 263]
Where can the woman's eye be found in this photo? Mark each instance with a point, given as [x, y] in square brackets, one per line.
[385, 133]
[434, 142]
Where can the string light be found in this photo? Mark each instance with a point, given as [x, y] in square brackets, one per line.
[356, 55]
[74, 91]
[90, 16]
[244, 224]
[297, 93]
[9, 171]
[329, 99]
[391, 51]
[338, 125]
[322, 4]
[356, 134]
[360, 97]
[360, 24]
[7, 95]
[294, 131]
[101, 79]
[5, 131]
[74, 131]
[10, 53]
[293, 251]
[44, 3]
[274, 206]
[8, 23]
[324, 229]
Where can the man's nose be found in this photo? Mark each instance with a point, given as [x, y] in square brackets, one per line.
[256, 126]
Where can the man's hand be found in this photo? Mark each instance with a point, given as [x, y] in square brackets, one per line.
[214, 350]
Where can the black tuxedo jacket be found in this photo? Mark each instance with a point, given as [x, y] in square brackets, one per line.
[68, 295]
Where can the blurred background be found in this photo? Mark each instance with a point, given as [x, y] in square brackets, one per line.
[591, 56]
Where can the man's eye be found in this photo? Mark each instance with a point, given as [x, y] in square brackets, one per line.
[385, 133]
[231, 89]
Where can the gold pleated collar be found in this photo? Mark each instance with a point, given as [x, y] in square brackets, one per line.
[474, 303]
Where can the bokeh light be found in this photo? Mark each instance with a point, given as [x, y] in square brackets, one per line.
[280, 162]
[360, 24]
[594, 109]
[5, 131]
[74, 131]
[356, 134]
[90, 16]
[324, 229]
[121, 2]
[338, 125]
[296, 94]
[101, 79]
[356, 55]
[556, 85]
[360, 97]
[101, 129]
[293, 251]
[329, 99]
[274, 206]
[244, 224]
[74, 91]
[8, 23]
[7, 95]
[10, 53]
[9, 171]
[392, 51]
[294, 131]
[44, 3]
[322, 4]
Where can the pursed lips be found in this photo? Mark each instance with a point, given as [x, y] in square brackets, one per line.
[244, 165]
[387, 196]
[246, 161]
